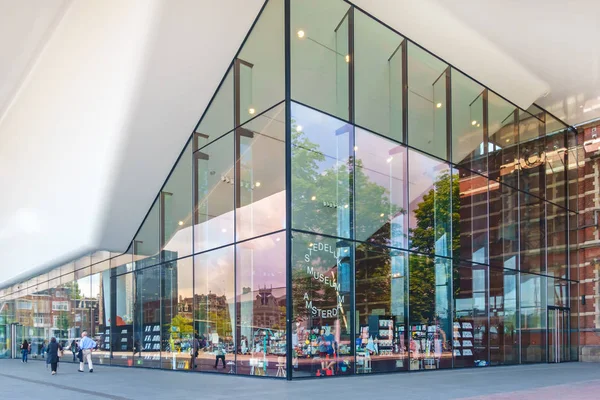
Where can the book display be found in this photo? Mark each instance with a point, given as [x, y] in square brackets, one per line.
[426, 346]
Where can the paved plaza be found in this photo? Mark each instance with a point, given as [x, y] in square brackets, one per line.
[545, 381]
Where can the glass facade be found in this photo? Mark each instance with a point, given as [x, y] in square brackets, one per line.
[348, 204]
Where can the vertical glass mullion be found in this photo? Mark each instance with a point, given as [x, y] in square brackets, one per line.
[288, 188]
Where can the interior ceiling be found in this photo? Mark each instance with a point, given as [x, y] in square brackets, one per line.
[98, 98]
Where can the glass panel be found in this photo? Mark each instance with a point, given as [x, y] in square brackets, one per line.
[470, 329]
[378, 77]
[556, 159]
[503, 137]
[180, 342]
[381, 309]
[471, 199]
[214, 317]
[261, 166]
[146, 340]
[380, 191]
[468, 102]
[558, 292]
[429, 205]
[261, 296]
[556, 234]
[218, 118]
[261, 63]
[321, 149]
[575, 170]
[146, 245]
[429, 312]
[504, 225]
[122, 323]
[574, 303]
[176, 197]
[320, 58]
[533, 318]
[100, 298]
[532, 234]
[504, 317]
[532, 144]
[427, 106]
[214, 194]
[322, 331]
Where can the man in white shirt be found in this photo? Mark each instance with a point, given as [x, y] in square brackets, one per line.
[86, 345]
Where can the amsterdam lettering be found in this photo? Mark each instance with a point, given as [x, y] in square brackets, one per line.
[322, 278]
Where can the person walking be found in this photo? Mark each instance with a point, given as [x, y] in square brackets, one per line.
[74, 349]
[86, 345]
[24, 351]
[54, 353]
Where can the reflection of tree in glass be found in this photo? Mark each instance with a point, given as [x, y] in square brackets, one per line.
[432, 223]
[322, 198]
[321, 204]
[63, 322]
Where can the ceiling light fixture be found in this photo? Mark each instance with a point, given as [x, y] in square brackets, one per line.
[473, 122]
[251, 111]
[313, 198]
[299, 128]
[257, 184]
[300, 34]
[389, 160]
[347, 58]
[439, 105]
[180, 223]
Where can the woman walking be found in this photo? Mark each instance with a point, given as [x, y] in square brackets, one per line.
[54, 350]
[24, 351]
[74, 349]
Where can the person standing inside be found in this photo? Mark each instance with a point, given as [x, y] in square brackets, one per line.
[86, 345]
[219, 354]
[54, 353]
[24, 351]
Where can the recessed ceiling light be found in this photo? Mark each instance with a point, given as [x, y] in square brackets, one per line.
[389, 160]
[473, 122]
[346, 206]
[223, 230]
[300, 34]
[347, 58]
[381, 215]
[478, 125]
[439, 105]
[507, 140]
[355, 148]
[180, 223]
[299, 128]
[257, 184]
[313, 198]
[251, 111]
[277, 239]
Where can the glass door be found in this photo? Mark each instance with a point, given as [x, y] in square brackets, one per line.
[558, 334]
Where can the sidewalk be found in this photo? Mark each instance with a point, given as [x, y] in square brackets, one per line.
[545, 381]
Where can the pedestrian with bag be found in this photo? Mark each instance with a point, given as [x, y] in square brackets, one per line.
[86, 345]
[55, 352]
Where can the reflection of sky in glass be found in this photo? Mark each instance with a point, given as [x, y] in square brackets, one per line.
[321, 129]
